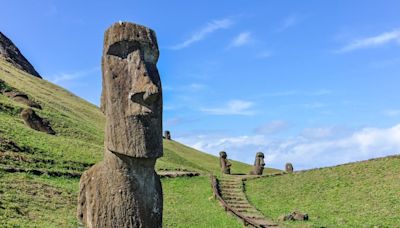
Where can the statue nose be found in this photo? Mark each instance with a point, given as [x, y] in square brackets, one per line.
[147, 97]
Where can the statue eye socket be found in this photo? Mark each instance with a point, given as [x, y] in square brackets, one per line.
[123, 48]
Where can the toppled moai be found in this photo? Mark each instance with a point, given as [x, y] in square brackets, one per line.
[124, 190]
[22, 98]
[35, 122]
[289, 168]
[167, 135]
[258, 164]
[294, 216]
[224, 163]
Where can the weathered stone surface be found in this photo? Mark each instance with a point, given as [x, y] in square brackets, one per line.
[294, 216]
[12, 54]
[22, 98]
[124, 190]
[224, 163]
[258, 164]
[35, 122]
[167, 135]
[289, 168]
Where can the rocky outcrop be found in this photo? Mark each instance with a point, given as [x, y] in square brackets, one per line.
[124, 190]
[11, 54]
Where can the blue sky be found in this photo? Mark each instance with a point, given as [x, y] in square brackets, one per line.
[314, 83]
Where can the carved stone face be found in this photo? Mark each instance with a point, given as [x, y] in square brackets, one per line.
[259, 162]
[132, 96]
[224, 163]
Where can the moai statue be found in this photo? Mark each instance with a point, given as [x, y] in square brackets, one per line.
[167, 135]
[258, 164]
[289, 168]
[224, 163]
[123, 190]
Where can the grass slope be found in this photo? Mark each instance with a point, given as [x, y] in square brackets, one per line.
[28, 200]
[79, 126]
[363, 194]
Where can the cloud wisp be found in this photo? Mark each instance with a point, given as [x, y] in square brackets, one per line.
[241, 39]
[320, 149]
[201, 34]
[64, 77]
[272, 127]
[372, 41]
[233, 107]
[320, 92]
[288, 22]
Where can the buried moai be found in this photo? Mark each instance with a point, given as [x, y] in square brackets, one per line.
[224, 163]
[167, 135]
[124, 190]
[258, 164]
[289, 168]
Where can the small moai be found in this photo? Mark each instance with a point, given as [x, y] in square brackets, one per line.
[289, 168]
[167, 135]
[258, 164]
[224, 163]
[124, 190]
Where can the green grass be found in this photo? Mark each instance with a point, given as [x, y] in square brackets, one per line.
[364, 194]
[27, 200]
[189, 203]
[41, 201]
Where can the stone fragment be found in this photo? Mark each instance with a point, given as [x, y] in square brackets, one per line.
[224, 163]
[35, 122]
[123, 190]
[294, 216]
[258, 164]
[289, 168]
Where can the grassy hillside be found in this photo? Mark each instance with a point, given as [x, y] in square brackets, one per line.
[364, 194]
[29, 200]
[79, 126]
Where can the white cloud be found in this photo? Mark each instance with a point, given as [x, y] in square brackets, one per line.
[204, 32]
[303, 152]
[288, 22]
[373, 41]
[64, 77]
[392, 112]
[233, 107]
[319, 132]
[272, 127]
[242, 39]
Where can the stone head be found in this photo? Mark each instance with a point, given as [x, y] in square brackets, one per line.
[259, 161]
[289, 168]
[222, 154]
[132, 96]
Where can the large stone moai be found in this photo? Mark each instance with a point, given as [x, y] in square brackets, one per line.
[289, 168]
[167, 135]
[224, 163]
[258, 164]
[123, 190]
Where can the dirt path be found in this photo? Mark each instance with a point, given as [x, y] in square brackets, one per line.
[230, 188]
